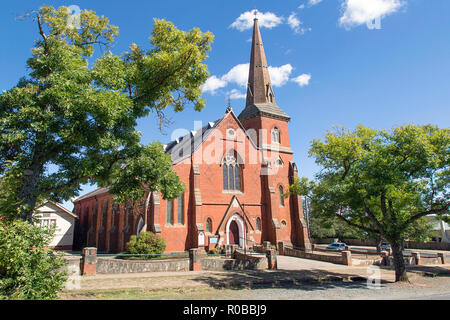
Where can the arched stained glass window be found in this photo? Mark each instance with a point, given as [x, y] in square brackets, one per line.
[275, 135]
[225, 176]
[169, 211]
[237, 177]
[280, 193]
[180, 207]
[231, 172]
[209, 225]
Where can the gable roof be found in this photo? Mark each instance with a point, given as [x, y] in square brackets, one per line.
[58, 206]
[93, 193]
[183, 147]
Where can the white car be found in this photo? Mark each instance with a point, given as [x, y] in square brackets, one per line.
[337, 246]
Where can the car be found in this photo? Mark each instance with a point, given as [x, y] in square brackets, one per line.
[385, 246]
[337, 246]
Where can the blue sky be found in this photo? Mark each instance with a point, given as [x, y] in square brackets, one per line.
[393, 73]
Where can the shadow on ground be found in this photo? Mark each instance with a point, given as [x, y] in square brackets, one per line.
[285, 279]
[427, 271]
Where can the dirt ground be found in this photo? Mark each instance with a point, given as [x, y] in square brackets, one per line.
[295, 279]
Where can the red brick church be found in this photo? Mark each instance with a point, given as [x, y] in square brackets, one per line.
[235, 170]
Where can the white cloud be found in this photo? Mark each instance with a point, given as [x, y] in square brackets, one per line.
[213, 84]
[295, 24]
[358, 12]
[314, 2]
[293, 21]
[302, 6]
[280, 75]
[238, 74]
[265, 20]
[302, 80]
[236, 94]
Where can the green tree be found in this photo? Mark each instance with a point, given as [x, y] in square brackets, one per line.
[28, 270]
[380, 182]
[72, 119]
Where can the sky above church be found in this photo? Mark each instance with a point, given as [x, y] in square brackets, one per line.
[379, 63]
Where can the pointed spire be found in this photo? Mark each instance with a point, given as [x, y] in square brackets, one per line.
[259, 88]
[260, 96]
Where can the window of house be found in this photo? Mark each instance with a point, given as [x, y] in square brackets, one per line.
[209, 225]
[275, 135]
[47, 224]
[180, 207]
[280, 194]
[169, 211]
[231, 172]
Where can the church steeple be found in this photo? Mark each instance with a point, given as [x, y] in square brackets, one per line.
[260, 97]
[259, 88]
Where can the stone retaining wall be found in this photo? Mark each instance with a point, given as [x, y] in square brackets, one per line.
[215, 264]
[371, 243]
[314, 256]
[108, 266]
[250, 262]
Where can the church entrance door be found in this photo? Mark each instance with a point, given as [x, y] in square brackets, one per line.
[234, 233]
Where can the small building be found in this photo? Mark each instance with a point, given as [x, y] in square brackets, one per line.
[440, 229]
[52, 214]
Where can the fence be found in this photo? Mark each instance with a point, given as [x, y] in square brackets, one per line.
[370, 243]
[194, 260]
[344, 257]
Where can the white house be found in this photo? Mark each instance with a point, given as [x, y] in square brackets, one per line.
[441, 229]
[53, 214]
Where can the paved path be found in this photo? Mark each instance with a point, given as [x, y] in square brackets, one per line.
[293, 263]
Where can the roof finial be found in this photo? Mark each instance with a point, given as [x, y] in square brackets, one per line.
[229, 109]
[255, 12]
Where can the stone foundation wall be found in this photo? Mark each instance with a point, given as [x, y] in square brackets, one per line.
[408, 244]
[108, 266]
[250, 262]
[314, 256]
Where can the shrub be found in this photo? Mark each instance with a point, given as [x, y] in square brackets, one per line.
[146, 243]
[216, 251]
[28, 271]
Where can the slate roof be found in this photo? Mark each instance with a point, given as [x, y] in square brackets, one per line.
[185, 146]
[263, 109]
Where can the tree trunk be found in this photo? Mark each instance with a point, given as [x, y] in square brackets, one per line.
[399, 262]
[379, 240]
[28, 191]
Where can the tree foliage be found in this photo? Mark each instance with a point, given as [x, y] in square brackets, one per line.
[146, 243]
[28, 270]
[381, 182]
[72, 119]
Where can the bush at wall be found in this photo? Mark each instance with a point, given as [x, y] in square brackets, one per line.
[28, 271]
[146, 243]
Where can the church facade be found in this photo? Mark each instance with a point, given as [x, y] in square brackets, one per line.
[236, 171]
